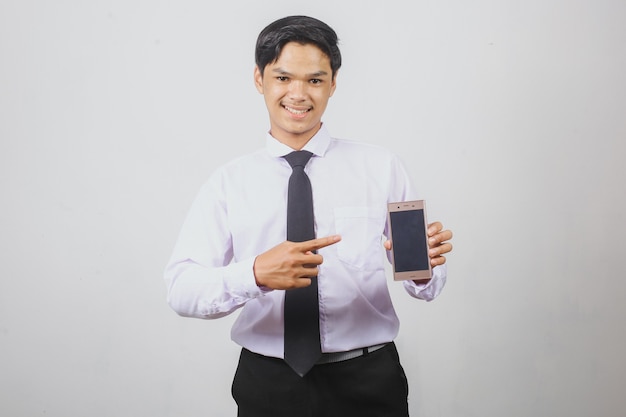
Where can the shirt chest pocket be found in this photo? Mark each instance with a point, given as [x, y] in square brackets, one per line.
[361, 230]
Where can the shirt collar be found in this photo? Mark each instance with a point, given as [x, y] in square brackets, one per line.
[317, 145]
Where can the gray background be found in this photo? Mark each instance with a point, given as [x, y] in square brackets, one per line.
[511, 118]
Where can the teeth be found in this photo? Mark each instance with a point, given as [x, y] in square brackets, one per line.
[294, 111]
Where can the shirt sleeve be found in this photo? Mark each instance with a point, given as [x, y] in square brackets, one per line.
[202, 279]
[401, 189]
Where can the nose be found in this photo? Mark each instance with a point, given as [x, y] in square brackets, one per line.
[297, 89]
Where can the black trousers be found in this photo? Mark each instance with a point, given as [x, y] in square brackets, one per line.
[372, 385]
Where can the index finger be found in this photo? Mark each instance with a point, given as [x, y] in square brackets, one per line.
[321, 242]
[434, 228]
[440, 237]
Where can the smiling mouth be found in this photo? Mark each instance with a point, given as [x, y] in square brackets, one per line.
[297, 112]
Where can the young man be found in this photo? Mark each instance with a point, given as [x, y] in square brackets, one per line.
[234, 252]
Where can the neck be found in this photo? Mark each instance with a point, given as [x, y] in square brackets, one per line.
[295, 141]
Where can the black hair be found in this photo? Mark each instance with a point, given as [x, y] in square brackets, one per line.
[302, 29]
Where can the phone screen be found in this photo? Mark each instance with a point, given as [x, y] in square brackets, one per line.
[410, 251]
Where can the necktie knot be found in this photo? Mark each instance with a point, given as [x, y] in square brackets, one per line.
[298, 158]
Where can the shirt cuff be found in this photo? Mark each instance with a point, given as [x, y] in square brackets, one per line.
[430, 290]
[241, 280]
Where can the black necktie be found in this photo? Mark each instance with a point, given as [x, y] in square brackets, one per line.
[302, 326]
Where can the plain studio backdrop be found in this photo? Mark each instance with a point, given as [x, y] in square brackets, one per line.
[510, 115]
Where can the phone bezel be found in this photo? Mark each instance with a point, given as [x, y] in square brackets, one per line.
[421, 276]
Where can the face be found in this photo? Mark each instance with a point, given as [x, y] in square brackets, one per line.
[296, 89]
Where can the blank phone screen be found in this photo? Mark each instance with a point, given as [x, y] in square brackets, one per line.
[410, 250]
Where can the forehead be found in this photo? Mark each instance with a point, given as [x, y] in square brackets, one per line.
[295, 55]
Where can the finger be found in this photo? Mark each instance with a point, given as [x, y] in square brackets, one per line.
[300, 276]
[299, 283]
[434, 228]
[309, 260]
[388, 245]
[322, 242]
[306, 271]
[440, 250]
[309, 265]
[439, 238]
[439, 260]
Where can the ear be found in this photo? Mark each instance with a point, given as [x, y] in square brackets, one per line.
[258, 79]
[333, 84]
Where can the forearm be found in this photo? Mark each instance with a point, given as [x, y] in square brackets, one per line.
[194, 290]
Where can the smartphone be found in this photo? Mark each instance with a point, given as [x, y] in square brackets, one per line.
[409, 251]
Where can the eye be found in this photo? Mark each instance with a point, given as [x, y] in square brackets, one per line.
[315, 81]
[282, 78]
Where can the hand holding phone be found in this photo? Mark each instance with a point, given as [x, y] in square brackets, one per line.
[408, 233]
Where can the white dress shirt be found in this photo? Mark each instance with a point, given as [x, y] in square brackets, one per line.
[240, 212]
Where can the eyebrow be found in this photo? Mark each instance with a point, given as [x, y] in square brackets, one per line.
[281, 71]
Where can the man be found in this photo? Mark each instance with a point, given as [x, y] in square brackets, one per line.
[233, 251]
